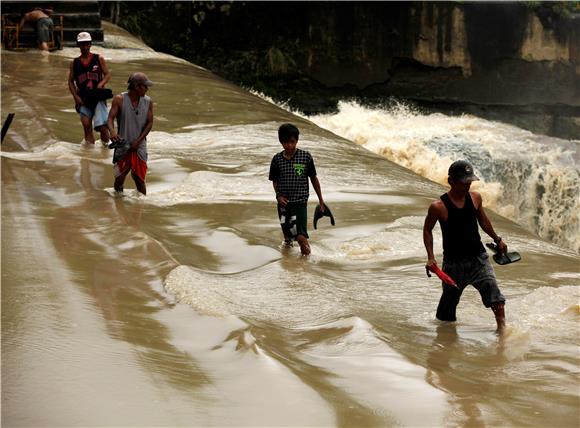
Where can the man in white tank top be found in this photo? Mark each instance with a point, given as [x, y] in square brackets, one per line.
[134, 113]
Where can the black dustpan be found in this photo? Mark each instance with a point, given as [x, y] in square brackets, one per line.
[503, 259]
[319, 214]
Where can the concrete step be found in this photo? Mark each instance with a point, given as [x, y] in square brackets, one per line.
[78, 20]
[28, 36]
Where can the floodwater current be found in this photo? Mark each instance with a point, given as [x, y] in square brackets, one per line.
[181, 308]
[531, 179]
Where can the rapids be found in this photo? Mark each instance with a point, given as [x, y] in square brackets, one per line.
[181, 308]
[531, 179]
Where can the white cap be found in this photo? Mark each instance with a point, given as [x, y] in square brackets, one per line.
[84, 37]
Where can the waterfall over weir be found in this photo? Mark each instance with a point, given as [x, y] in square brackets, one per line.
[531, 179]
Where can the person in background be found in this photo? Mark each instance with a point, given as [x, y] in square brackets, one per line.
[459, 212]
[134, 113]
[289, 173]
[40, 19]
[87, 73]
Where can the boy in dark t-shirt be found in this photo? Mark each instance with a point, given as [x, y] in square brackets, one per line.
[289, 173]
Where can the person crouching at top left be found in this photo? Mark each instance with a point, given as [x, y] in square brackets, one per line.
[134, 113]
[87, 73]
[40, 19]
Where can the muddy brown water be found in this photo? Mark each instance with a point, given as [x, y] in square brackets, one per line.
[181, 308]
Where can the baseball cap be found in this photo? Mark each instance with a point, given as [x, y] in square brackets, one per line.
[138, 77]
[462, 171]
[84, 37]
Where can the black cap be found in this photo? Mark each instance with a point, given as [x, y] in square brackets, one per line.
[462, 171]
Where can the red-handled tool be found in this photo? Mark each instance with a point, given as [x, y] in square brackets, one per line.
[442, 275]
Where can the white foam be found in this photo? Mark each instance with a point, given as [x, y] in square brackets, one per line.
[283, 293]
[187, 285]
[567, 275]
[396, 240]
[62, 150]
[208, 186]
[548, 312]
[202, 126]
[545, 315]
[531, 179]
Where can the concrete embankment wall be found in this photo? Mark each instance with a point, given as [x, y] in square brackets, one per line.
[517, 62]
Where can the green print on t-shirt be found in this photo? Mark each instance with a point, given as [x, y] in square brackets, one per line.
[299, 168]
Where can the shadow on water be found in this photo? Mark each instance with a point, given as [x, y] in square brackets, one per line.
[440, 373]
[283, 347]
[119, 268]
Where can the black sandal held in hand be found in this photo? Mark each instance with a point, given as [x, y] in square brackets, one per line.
[501, 258]
[319, 214]
[121, 147]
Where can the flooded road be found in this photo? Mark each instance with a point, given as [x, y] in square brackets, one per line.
[181, 308]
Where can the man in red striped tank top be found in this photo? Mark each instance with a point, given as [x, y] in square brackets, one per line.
[87, 78]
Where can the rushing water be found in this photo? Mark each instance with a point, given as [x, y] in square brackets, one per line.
[531, 179]
[181, 308]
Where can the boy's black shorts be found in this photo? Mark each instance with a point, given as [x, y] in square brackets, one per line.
[293, 219]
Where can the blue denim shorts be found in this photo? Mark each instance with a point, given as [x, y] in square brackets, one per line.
[98, 115]
[44, 26]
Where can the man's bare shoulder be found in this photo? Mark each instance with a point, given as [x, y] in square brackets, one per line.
[437, 204]
[117, 102]
[436, 212]
[437, 208]
[35, 15]
[476, 198]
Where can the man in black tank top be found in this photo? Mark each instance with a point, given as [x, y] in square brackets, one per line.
[459, 212]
